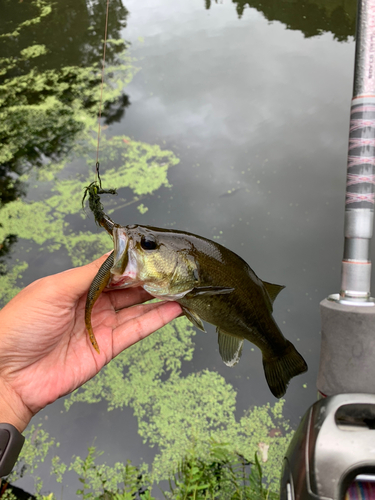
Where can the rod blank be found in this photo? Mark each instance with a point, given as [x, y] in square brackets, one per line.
[360, 180]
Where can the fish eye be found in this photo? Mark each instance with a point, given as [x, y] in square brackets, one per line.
[148, 243]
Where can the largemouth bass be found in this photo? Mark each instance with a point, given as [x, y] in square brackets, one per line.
[211, 283]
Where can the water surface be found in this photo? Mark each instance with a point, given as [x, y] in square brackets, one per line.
[254, 102]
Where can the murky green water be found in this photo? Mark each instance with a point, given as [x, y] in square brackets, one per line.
[240, 112]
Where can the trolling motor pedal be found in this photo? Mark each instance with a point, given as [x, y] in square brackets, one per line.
[332, 452]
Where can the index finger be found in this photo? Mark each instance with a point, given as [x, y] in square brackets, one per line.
[127, 297]
[137, 328]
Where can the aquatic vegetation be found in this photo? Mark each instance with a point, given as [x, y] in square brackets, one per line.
[52, 150]
[134, 375]
[44, 222]
[8, 281]
[122, 481]
[139, 166]
[48, 114]
[144, 376]
[37, 445]
[175, 411]
[49, 81]
[219, 473]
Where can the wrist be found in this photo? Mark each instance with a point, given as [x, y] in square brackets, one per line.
[12, 409]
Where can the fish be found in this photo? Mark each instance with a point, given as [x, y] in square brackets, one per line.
[211, 283]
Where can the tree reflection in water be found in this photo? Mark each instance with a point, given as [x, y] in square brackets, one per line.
[312, 17]
[50, 70]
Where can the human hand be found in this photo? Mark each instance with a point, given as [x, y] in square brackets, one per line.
[45, 349]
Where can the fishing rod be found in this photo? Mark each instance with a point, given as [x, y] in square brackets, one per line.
[332, 454]
[348, 318]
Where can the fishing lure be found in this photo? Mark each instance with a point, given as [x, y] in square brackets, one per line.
[93, 192]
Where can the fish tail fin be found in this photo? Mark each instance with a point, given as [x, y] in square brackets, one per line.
[279, 370]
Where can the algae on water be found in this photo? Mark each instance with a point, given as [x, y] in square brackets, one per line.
[48, 134]
[174, 411]
[48, 122]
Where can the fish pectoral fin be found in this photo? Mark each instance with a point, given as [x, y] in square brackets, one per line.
[230, 347]
[194, 318]
[209, 290]
[158, 294]
[273, 290]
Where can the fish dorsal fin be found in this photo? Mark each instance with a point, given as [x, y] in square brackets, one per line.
[273, 290]
[230, 347]
[194, 318]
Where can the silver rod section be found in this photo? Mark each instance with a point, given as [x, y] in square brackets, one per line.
[360, 181]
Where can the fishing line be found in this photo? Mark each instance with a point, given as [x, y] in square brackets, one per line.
[101, 95]
[94, 190]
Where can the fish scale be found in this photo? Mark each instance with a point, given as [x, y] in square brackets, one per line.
[212, 284]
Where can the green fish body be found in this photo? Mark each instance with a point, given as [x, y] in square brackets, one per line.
[212, 284]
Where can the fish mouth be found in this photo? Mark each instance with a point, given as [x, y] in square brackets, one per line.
[124, 269]
[120, 253]
[121, 282]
